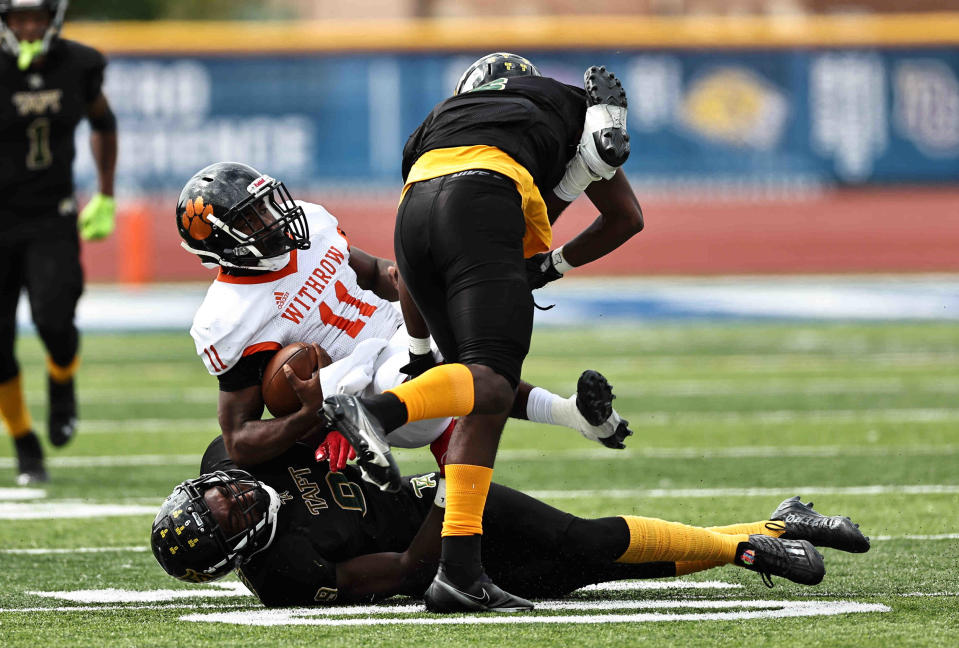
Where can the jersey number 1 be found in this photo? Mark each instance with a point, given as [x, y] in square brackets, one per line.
[39, 156]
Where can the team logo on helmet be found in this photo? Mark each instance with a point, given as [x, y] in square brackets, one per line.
[196, 219]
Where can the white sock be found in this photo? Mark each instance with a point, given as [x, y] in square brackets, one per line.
[546, 407]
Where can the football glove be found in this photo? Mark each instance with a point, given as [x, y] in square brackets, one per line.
[418, 364]
[335, 449]
[541, 269]
[97, 219]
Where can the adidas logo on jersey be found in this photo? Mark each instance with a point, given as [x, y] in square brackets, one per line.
[281, 299]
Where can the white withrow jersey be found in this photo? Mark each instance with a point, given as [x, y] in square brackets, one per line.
[314, 298]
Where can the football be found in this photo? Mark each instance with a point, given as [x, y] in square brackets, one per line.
[278, 395]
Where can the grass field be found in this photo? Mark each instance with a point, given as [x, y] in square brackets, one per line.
[729, 418]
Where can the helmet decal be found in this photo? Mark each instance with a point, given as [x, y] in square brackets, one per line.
[196, 219]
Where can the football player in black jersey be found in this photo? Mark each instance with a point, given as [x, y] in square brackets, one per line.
[487, 173]
[303, 535]
[47, 85]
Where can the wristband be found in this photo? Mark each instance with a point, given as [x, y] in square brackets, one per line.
[560, 263]
[419, 346]
[440, 498]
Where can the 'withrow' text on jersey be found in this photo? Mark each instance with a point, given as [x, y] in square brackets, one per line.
[315, 298]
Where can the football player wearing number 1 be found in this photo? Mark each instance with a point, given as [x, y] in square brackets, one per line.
[47, 85]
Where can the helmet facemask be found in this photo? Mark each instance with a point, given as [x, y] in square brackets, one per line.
[189, 542]
[265, 227]
[8, 40]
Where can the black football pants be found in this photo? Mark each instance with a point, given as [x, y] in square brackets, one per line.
[45, 262]
[459, 248]
[534, 550]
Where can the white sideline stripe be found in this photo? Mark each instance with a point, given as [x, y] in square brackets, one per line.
[893, 415]
[114, 595]
[753, 610]
[912, 536]
[63, 510]
[927, 489]
[620, 586]
[598, 454]
[7, 494]
[39, 551]
[103, 608]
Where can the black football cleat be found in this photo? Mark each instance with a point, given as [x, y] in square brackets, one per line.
[30, 468]
[594, 397]
[833, 531]
[603, 88]
[795, 560]
[353, 420]
[594, 401]
[62, 417]
[481, 596]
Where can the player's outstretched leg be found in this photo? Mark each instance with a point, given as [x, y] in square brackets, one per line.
[796, 560]
[353, 420]
[30, 468]
[608, 126]
[62, 418]
[482, 596]
[594, 402]
[804, 523]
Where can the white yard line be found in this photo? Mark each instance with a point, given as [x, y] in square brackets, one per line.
[533, 455]
[656, 493]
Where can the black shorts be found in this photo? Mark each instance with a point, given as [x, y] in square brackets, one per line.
[459, 248]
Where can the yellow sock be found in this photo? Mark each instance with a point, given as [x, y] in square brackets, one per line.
[446, 390]
[653, 540]
[688, 567]
[62, 374]
[773, 528]
[13, 409]
[466, 490]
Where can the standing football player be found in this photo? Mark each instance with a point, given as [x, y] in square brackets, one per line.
[288, 273]
[47, 85]
[487, 173]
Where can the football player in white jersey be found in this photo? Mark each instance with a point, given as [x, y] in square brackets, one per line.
[287, 273]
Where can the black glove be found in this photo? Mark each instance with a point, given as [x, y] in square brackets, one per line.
[617, 438]
[418, 364]
[540, 270]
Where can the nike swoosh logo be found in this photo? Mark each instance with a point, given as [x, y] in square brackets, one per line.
[478, 599]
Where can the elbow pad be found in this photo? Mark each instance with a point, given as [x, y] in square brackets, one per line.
[105, 123]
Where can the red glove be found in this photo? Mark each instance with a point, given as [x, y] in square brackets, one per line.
[335, 449]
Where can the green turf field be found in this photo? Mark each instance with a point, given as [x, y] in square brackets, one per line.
[729, 418]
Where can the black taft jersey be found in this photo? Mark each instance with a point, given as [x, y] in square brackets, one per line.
[537, 121]
[326, 518]
[39, 111]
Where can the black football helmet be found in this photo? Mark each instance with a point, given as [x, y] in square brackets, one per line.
[188, 542]
[9, 42]
[498, 65]
[230, 214]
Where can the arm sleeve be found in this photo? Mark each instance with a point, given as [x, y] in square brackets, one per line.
[247, 372]
[93, 84]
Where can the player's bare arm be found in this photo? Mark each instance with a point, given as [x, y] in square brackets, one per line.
[250, 440]
[373, 273]
[388, 573]
[103, 142]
